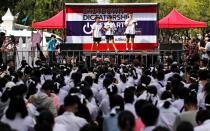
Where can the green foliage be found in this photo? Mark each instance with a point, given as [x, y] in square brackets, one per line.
[194, 9]
[42, 9]
[36, 10]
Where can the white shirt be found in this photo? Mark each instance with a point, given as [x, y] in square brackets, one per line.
[130, 26]
[59, 127]
[179, 104]
[110, 26]
[122, 86]
[94, 89]
[62, 94]
[207, 47]
[149, 128]
[201, 99]
[67, 79]
[130, 107]
[19, 123]
[70, 121]
[102, 95]
[204, 127]
[105, 106]
[167, 76]
[97, 28]
[168, 116]
[160, 85]
[93, 109]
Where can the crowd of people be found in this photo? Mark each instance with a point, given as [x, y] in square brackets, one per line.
[127, 97]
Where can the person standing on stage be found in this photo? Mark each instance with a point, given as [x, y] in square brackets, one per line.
[97, 32]
[51, 48]
[110, 28]
[130, 31]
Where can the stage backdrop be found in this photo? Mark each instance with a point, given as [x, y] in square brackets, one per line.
[80, 17]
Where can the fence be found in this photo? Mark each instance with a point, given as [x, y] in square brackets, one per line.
[148, 58]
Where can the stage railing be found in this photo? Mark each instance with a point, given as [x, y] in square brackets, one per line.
[148, 58]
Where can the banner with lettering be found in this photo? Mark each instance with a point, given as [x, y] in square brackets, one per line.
[80, 19]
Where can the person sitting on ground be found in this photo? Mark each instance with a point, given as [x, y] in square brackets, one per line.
[43, 98]
[68, 118]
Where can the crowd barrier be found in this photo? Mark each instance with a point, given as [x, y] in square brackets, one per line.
[148, 58]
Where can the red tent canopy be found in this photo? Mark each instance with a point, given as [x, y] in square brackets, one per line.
[176, 20]
[55, 22]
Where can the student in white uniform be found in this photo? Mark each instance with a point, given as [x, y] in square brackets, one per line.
[97, 28]
[130, 31]
[110, 28]
[160, 83]
[168, 113]
[16, 115]
[203, 120]
[129, 100]
[69, 119]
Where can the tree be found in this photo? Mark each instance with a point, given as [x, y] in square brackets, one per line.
[37, 10]
[42, 9]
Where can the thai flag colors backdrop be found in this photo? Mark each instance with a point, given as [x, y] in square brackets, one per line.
[80, 17]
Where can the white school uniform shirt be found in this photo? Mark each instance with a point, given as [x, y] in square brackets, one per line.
[59, 127]
[138, 70]
[130, 26]
[143, 96]
[207, 47]
[130, 81]
[160, 85]
[204, 127]
[97, 30]
[102, 95]
[62, 94]
[70, 121]
[110, 26]
[168, 116]
[105, 106]
[200, 87]
[201, 99]
[38, 87]
[168, 75]
[179, 104]
[93, 109]
[67, 79]
[94, 89]
[149, 128]
[122, 86]
[19, 123]
[130, 107]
